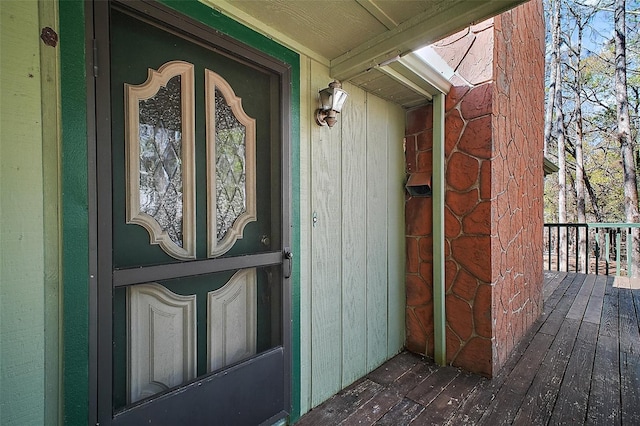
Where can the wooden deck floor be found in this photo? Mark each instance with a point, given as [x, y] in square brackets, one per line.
[580, 364]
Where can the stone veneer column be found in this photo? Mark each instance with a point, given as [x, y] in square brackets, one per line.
[493, 201]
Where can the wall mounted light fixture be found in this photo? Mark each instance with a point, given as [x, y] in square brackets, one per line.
[331, 100]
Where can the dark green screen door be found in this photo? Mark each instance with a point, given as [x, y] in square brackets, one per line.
[193, 264]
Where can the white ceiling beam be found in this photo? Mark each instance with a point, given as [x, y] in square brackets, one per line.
[430, 71]
[422, 77]
[415, 33]
[422, 89]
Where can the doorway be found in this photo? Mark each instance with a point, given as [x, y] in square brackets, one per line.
[192, 223]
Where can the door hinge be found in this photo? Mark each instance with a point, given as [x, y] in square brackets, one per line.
[95, 57]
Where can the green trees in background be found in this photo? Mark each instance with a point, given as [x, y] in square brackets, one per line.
[597, 65]
[593, 114]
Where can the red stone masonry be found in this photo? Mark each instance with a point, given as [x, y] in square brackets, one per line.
[493, 200]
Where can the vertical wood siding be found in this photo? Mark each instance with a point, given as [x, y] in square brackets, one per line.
[396, 252]
[352, 282]
[354, 242]
[22, 267]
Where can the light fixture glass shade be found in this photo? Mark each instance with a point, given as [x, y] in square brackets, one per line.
[326, 97]
[339, 96]
[331, 101]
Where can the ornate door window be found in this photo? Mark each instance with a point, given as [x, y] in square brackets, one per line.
[160, 157]
[231, 153]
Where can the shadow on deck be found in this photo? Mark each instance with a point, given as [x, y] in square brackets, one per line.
[580, 364]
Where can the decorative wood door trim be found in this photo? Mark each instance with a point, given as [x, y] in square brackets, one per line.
[215, 86]
[180, 248]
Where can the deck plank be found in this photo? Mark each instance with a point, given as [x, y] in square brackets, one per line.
[552, 281]
[609, 318]
[610, 288]
[579, 304]
[573, 398]
[371, 411]
[559, 291]
[628, 323]
[541, 396]
[430, 388]
[447, 402]
[390, 371]
[604, 396]
[401, 414]
[341, 405]
[630, 388]
[510, 397]
[636, 300]
[629, 356]
[593, 312]
[416, 375]
[555, 319]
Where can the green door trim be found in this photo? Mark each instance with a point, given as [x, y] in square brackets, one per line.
[78, 193]
[74, 214]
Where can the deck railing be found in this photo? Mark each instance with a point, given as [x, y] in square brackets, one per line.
[592, 248]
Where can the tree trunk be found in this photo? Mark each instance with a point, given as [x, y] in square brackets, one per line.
[624, 133]
[597, 211]
[579, 183]
[554, 59]
[559, 130]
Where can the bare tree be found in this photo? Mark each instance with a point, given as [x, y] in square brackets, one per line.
[554, 60]
[624, 131]
[581, 17]
[560, 139]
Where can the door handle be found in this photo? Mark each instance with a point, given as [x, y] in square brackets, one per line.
[288, 256]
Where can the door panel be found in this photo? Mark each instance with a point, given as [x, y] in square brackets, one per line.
[206, 322]
[193, 302]
[140, 47]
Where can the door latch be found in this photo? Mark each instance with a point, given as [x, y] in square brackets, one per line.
[288, 256]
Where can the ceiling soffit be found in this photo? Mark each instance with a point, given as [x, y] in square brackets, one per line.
[355, 37]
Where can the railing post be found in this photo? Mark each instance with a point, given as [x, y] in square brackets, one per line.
[629, 246]
[577, 244]
[557, 247]
[549, 241]
[608, 254]
[586, 250]
[566, 251]
[598, 245]
[618, 244]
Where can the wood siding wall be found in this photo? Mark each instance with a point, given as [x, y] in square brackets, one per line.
[353, 261]
[29, 336]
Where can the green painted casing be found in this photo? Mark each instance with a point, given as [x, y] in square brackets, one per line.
[75, 186]
[75, 213]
